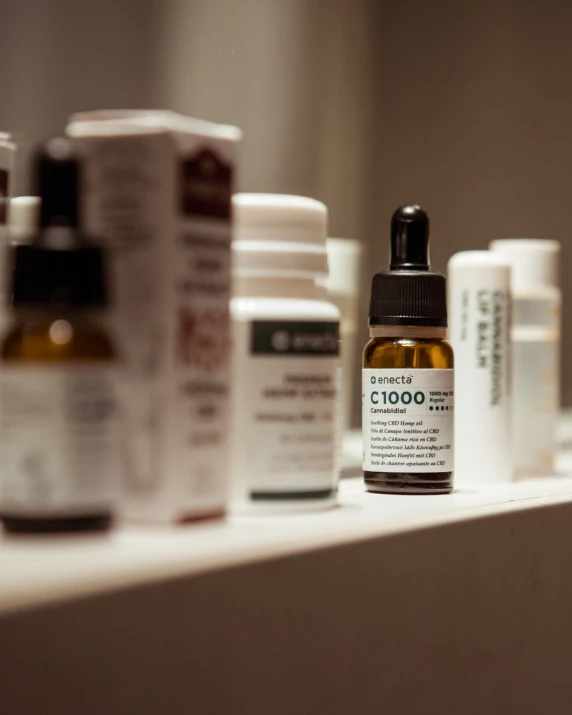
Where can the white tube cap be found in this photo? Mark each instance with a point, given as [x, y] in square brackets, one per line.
[534, 261]
[279, 235]
[478, 268]
[23, 217]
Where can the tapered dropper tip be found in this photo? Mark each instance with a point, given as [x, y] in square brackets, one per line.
[409, 239]
[57, 182]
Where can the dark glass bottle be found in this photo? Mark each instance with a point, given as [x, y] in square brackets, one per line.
[408, 370]
[59, 443]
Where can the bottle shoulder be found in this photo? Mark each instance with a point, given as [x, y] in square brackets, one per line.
[410, 353]
[53, 339]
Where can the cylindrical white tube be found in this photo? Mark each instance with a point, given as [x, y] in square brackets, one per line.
[536, 352]
[479, 330]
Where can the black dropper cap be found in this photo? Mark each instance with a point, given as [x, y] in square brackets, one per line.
[59, 268]
[409, 294]
[57, 183]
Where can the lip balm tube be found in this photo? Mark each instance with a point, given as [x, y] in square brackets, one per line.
[479, 329]
[536, 352]
[285, 404]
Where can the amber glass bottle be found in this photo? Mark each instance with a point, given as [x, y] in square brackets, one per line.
[408, 398]
[58, 433]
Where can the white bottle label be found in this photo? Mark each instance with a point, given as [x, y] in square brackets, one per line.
[407, 420]
[59, 440]
[285, 409]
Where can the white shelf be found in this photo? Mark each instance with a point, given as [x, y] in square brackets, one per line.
[387, 604]
[42, 570]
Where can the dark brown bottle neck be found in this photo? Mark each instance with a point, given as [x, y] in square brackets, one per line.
[407, 331]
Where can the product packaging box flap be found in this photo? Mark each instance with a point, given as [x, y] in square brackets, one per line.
[119, 121]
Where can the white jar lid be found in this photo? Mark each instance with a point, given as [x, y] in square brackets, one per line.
[534, 261]
[278, 258]
[480, 262]
[279, 235]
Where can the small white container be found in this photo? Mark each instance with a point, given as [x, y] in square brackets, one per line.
[7, 165]
[479, 331]
[286, 344]
[342, 284]
[7, 162]
[23, 218]
[536, 352]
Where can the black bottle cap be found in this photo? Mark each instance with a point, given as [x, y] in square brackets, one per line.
[409, 239]
[409, 294]
[57, 183]
[59, 268]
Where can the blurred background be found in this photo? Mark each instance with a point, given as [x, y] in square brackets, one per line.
[364, 104]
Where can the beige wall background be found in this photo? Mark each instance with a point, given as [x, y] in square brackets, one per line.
[364, 104]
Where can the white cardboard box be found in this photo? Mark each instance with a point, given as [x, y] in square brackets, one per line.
[157, 189]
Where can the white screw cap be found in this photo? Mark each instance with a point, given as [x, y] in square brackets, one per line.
[534, 261]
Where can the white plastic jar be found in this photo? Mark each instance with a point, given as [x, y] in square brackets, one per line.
[285, 369]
